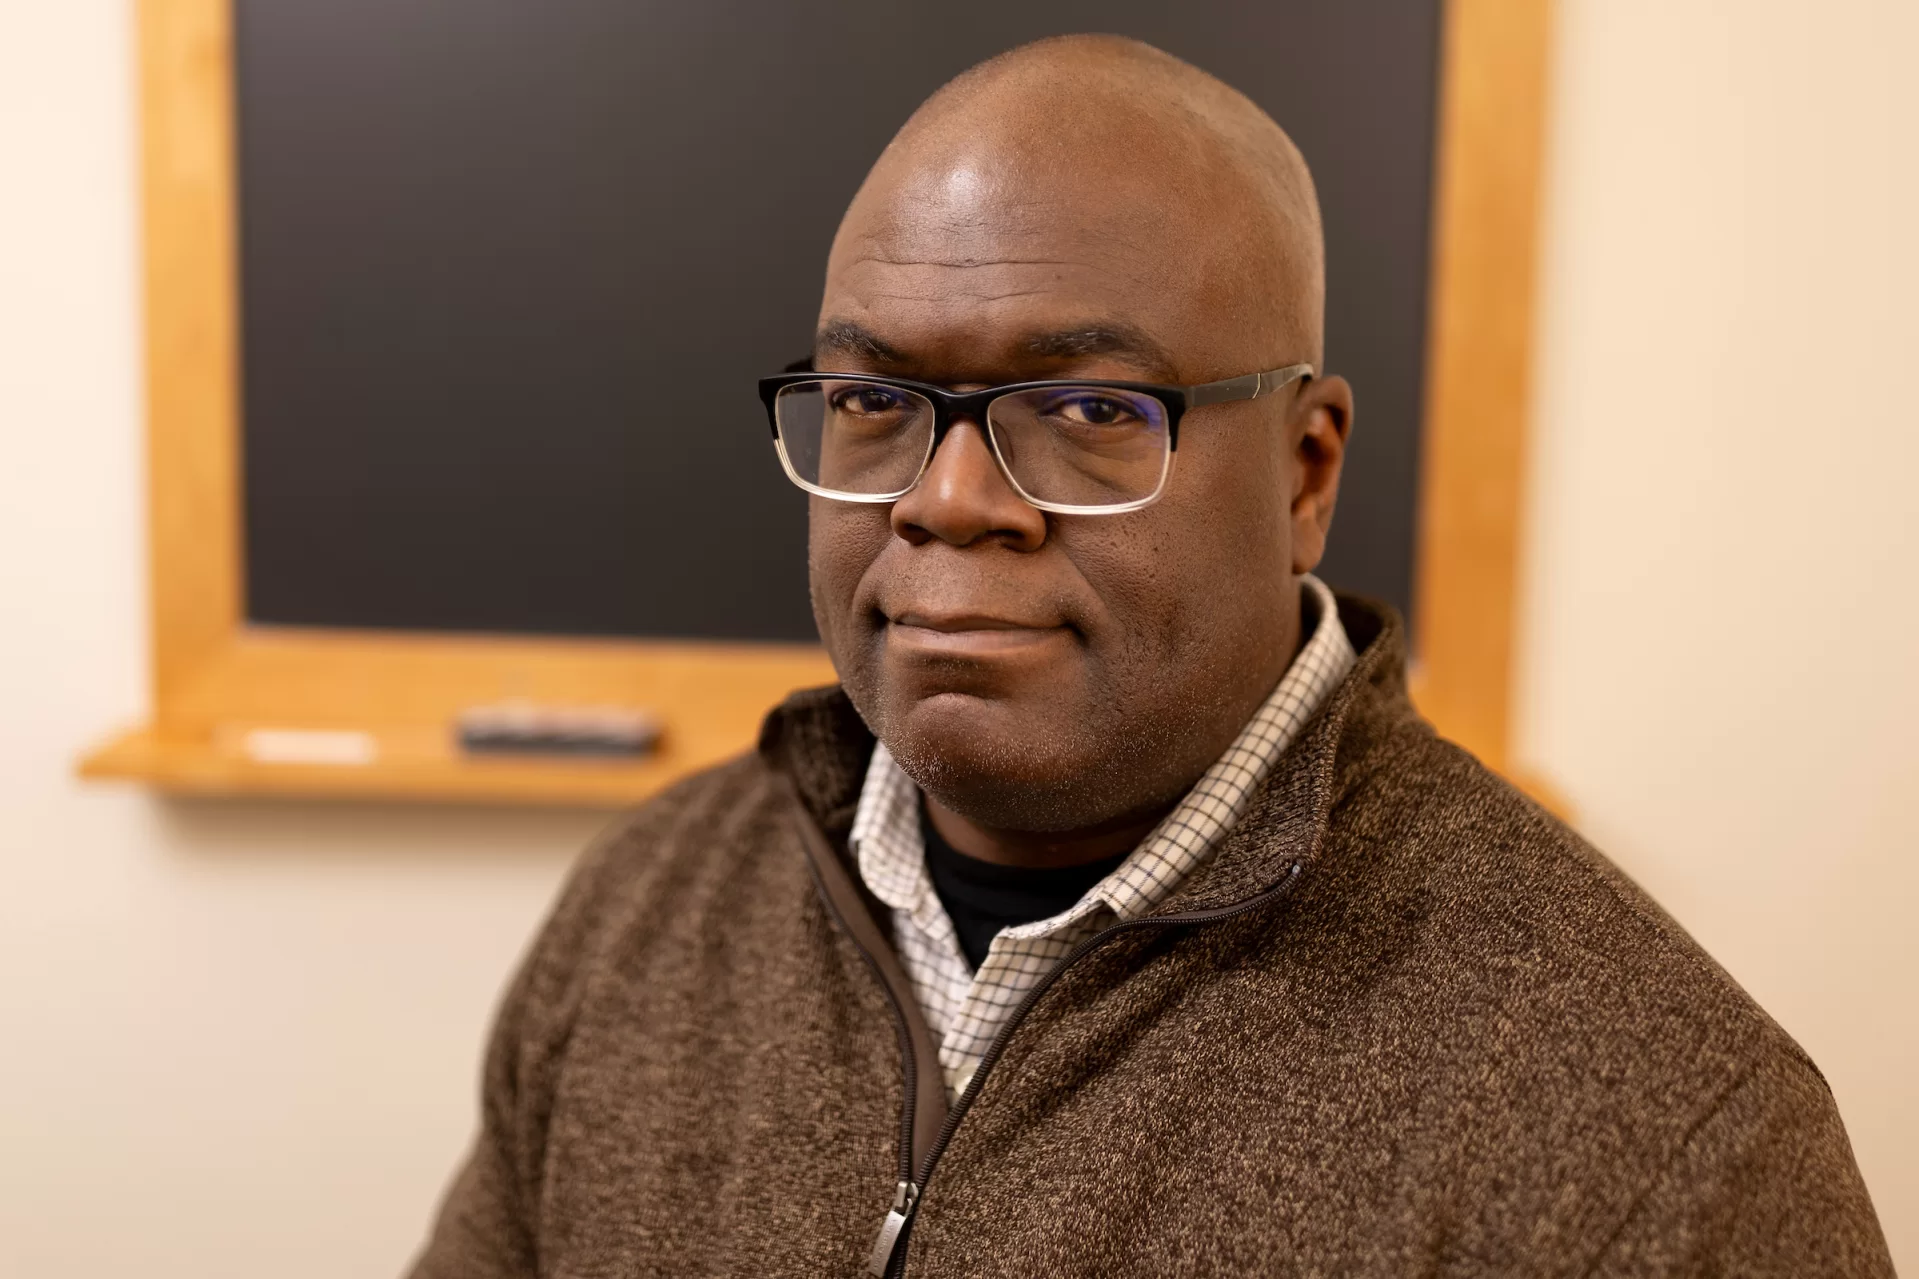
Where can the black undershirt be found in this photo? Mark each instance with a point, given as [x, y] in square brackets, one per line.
[983, 897]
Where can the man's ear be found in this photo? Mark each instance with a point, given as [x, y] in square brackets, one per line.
[1322, 418]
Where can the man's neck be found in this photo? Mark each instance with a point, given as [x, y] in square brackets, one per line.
[1041, 848]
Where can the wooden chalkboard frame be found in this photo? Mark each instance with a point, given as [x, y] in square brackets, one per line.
[215, 678]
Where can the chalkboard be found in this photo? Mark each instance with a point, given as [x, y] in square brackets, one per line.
[509, 269]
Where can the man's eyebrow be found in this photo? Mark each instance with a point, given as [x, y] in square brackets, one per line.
[1100, 339]
[847, 338]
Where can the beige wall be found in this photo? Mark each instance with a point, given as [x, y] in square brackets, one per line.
[239, 1040]
[1722, 642]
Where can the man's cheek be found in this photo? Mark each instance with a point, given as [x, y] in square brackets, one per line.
[839, 552]
[1140, 571]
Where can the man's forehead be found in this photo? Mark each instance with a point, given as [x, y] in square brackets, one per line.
[844, 339]
[977, 209]
[1008, 293]
[997, 272]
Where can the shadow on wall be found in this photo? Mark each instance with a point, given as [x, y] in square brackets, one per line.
[229, 833]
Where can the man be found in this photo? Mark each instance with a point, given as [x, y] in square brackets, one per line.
[1155, 933]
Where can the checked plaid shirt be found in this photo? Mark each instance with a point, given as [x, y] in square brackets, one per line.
[965, 1009]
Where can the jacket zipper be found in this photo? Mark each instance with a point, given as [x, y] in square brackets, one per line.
[888, 1259]
[907, 1193]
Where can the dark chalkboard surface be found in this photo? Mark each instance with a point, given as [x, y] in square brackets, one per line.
[509, 269]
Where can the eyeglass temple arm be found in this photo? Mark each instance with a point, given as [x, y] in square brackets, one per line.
[1249, 387]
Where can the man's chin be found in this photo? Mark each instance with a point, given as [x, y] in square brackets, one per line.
[1004, 764]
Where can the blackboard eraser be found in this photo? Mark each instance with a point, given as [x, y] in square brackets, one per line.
[531, 728]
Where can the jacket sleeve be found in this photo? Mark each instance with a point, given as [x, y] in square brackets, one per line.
[488, 1224]
[1764, 1185]
[485, 1226]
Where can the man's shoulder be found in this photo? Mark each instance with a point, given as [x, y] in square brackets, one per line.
[1556, 1025]
[723, 809]
[1524, 918]
[708, 843]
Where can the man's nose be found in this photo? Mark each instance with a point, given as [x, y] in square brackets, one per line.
[963, 497]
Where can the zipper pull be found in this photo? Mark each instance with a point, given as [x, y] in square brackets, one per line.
[905, 1199]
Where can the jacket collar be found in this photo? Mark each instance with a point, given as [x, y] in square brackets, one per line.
[819, 741]
[1285, 821]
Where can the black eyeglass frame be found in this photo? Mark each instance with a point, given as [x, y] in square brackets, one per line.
[949, 406]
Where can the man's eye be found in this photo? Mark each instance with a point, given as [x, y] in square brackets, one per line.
[1094, 410]
[867, 400]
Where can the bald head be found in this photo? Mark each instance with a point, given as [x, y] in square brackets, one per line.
[1164, 163]
[1081, 210]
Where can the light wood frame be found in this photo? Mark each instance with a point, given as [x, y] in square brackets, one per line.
[215, 677]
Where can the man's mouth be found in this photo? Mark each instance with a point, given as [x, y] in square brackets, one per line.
[970, 634]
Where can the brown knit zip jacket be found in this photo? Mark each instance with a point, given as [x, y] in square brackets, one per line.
[1402, 1023]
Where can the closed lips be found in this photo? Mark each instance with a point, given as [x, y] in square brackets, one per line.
[970, 632]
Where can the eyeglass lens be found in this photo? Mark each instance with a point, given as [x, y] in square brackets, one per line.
[1075, 446]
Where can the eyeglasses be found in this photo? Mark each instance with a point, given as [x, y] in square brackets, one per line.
[1075, 448]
